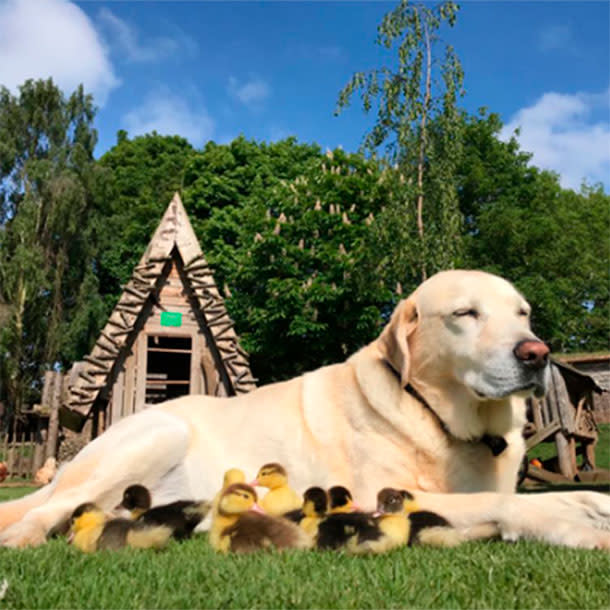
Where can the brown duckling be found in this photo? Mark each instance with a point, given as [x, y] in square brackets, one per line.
[91, 530]
[182, 517]
[281, 498]
[238, 527]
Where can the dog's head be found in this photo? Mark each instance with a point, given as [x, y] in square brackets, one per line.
[470, 329]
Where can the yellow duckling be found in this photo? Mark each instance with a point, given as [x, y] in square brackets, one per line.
[315, 505]
[399, 522]
[239, 527]
[231, 476]
[281, 498]
[90, 530]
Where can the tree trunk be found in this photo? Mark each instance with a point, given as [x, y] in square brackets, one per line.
[422, 150]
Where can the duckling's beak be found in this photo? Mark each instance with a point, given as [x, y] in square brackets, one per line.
[356, 507]
[257, 509]
[377, 513]
[70, 537]
[253, 483]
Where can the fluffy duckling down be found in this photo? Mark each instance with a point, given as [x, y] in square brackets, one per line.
[238, 527]
[182, 517]
[90, 530]
[281, 498]
[231, 476]
[315, 507]
[340, 500]
[400, 523]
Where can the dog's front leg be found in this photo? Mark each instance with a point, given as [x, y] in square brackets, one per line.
[575, 519]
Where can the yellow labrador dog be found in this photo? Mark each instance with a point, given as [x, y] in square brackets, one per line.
[435, 405]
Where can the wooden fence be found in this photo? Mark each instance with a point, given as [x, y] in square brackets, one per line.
[33, 436]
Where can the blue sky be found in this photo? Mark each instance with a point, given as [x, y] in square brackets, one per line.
[214, 70]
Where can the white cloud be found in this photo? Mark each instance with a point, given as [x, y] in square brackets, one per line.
[250, 93]
[556, 37]
[54, 38]
[125, 40]
[169, 114]
[563, 135]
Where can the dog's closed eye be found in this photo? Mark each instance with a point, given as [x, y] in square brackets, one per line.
[466, 311]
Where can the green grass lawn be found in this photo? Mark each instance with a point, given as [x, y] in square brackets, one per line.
[191, 575]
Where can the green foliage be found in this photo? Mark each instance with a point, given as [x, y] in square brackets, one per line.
[415, 92]
[49, 205]
[290, 248]
[191, 575]
[551, 242]
[146, 172]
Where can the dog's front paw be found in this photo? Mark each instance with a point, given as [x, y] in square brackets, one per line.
[23, 534]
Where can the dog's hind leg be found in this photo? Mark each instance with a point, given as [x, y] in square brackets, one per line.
[140, 449]
[14, 510]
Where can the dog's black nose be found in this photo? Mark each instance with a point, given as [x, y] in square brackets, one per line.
[532, 353]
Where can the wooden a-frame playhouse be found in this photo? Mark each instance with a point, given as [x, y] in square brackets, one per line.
[168, 335]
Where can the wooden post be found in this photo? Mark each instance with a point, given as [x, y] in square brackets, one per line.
[566, 454]
[39, 447]
[54, 418]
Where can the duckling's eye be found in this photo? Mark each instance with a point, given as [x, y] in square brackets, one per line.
[465, 311]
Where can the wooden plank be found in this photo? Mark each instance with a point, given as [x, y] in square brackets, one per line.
[537, 413]
[566, 454]
[542, 435]
[39, 448]
[47, 388]
[140, 383]
[547, 476]
[115, 408]
[130, 381]
[53, 431]
[565, 407]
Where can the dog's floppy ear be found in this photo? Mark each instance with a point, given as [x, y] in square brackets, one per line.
[393, 340]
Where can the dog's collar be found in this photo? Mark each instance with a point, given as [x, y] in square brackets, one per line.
[496, 444]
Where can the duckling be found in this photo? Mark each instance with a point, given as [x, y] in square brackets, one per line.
[343, 521]
[182, 517]
[238, 527]
[281, 498]
[422, 527]
[231, 476]
[340, 500]
[315, 505]
[90, 530]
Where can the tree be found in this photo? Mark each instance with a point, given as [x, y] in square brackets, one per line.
[145, 173]
[49, 204]
[551, 242]
[290, 252]
[409, 97]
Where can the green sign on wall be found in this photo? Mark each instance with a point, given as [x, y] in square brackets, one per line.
[171, 318]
